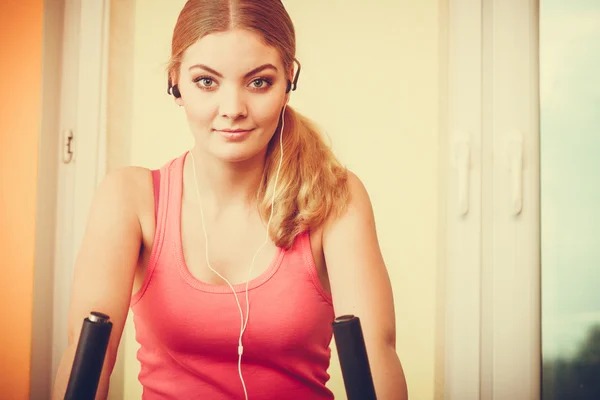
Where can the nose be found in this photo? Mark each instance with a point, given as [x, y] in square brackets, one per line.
[232, 104]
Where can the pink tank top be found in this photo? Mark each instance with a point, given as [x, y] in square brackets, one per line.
[188, 330]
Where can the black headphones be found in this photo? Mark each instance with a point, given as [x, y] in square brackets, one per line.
[174, 89]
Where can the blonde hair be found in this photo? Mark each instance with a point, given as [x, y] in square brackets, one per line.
[312, 183]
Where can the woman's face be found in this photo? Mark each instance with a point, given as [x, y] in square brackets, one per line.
[233, 90]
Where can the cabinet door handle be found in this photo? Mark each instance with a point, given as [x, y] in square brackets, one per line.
[462, 158]
[515, 166]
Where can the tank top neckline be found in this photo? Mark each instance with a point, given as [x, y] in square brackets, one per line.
[177, 191]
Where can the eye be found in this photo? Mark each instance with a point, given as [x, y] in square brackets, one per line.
[258, 83]
[261, 83]
[204, 82]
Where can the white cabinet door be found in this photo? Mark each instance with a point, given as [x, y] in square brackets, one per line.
[462, 161]
[510, 196]
[492, 332]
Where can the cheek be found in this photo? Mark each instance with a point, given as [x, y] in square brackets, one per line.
[202, 114]
[267, 112]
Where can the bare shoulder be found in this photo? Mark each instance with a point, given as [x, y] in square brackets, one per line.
[358, 209]
[358, 206]
[132, 186]
[359, 197]
[129, 183]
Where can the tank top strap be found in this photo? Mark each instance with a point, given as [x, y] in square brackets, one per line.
[302, 245]
[175, 194]
[156, 185]
[169, 197]
[167, 200]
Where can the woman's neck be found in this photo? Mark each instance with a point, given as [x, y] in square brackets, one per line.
[223, 184]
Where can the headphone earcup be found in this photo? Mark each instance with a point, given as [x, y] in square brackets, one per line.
[289, 86]
[176, 92]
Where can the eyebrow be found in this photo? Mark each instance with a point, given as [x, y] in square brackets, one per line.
[253, 72]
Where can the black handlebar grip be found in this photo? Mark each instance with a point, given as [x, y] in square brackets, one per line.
[354, 362]
[89, 357]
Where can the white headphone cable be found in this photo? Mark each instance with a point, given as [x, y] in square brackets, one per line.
[243, 323]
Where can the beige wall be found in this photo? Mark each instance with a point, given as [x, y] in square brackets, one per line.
[370, 79]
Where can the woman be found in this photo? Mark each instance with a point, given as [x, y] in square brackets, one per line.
[236, 256]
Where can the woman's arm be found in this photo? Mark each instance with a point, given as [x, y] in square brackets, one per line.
[105, 269]
[361, 286]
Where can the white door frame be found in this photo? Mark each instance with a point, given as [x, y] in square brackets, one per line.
[82, 111]
[492, 309]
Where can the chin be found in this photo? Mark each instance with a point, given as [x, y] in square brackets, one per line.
[236, 153]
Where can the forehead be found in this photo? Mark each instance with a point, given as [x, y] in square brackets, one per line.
[232, 53]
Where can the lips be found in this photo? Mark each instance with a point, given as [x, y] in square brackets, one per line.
[234, 134]
[234, 130]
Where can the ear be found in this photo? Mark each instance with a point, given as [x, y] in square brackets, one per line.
[179, 101]
[290, 78]
[175, 92]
